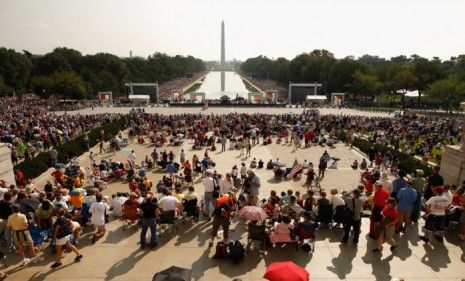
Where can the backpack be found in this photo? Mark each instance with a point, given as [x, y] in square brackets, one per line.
[236, 251]
[221, 251]
[221, 211]
[66, 227]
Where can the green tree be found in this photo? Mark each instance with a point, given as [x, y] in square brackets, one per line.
[4, 89]
[15, 68]
[426, 72]
[448, 92]
[366, 84]
[342, 75]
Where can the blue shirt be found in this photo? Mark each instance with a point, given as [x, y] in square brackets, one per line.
[397, 184]
[406, 197]
[170, 168]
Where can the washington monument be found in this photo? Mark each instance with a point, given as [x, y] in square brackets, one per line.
[222, 45]
[222, 64]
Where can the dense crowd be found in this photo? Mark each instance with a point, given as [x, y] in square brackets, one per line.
[167, 89]
[57, 212]
[27, 127]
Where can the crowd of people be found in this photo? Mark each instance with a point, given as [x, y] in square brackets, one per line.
[27, 127]
[166, 89]
[58, 212]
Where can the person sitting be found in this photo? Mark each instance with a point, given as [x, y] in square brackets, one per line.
[355, 164]
[281, 232]
[253, 163]
[269, 165]
[44, 215]
[271, 208]
[260, 164]
[364, 164]
[292, 209]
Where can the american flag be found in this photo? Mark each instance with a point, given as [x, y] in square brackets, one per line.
[297, 168]
[205, 106]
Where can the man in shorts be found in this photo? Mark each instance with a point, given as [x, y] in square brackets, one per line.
[17, 223]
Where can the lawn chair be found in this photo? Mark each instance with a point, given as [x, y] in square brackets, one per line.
[191, 209]
[256, 233]
[169, 218]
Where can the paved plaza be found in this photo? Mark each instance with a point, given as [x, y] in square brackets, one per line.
[226, 110]
[117, 255]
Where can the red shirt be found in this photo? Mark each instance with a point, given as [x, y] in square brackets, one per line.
[380, 197]
[390, 212]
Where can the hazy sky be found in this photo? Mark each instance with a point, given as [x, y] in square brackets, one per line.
[253, 27]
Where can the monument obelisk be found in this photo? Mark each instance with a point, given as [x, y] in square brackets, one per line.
[222, 63]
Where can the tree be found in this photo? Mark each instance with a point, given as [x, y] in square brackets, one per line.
[449, 92]
[15, 69]
[366, 84]
[426, 72]
[405, 80]
[342, 74]
[4, 89]
[66, 84]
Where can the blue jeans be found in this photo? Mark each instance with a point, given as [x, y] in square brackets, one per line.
[209, 203]
[152, 224]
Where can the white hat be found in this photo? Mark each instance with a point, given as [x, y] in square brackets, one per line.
[209, 171]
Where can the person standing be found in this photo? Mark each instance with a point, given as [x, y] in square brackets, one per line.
[150, 213]
[54, 156]
[18, 225]
[418, 184]
[224, 206]
[388, 226]
[254, 187]
[406, 198]
[182, 157]
[223, 142]
[354, 202]
[62, 230]
[209, 186]
[5, 212]
[398, 184]
[379, 201]
[436, 209]
[226, 184]
[98, 210]
[132, 159]
[434, 181]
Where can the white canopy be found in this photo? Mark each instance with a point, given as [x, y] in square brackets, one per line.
[139, 97]
[408, 93]
[316, 97]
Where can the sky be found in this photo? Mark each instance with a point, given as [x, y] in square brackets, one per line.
[272, 28]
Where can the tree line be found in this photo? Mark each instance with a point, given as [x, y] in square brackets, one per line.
[369, 78]
[67, 73]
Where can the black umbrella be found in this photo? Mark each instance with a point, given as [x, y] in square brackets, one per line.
[173, 273]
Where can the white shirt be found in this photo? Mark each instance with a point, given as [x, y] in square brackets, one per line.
[168, 203]
[234, 172]
[336, 200]
[386, 184]
[225, 186]
[243, 170]
[438, 205]
[132, 157]
[448, 196]
[98, 209]
[2, 192]
[117, 205]
[208, 184]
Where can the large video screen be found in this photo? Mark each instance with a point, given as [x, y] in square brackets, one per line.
[300, 93]
[146, 90]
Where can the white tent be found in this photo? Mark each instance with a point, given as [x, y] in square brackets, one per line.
[409, 94]
[320, 98]
[140, 99]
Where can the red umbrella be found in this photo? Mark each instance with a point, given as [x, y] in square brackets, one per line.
[286, 271]
[253, 213]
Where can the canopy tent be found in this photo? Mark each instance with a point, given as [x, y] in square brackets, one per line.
[316, 98]
[407, 93]
[140, 99]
